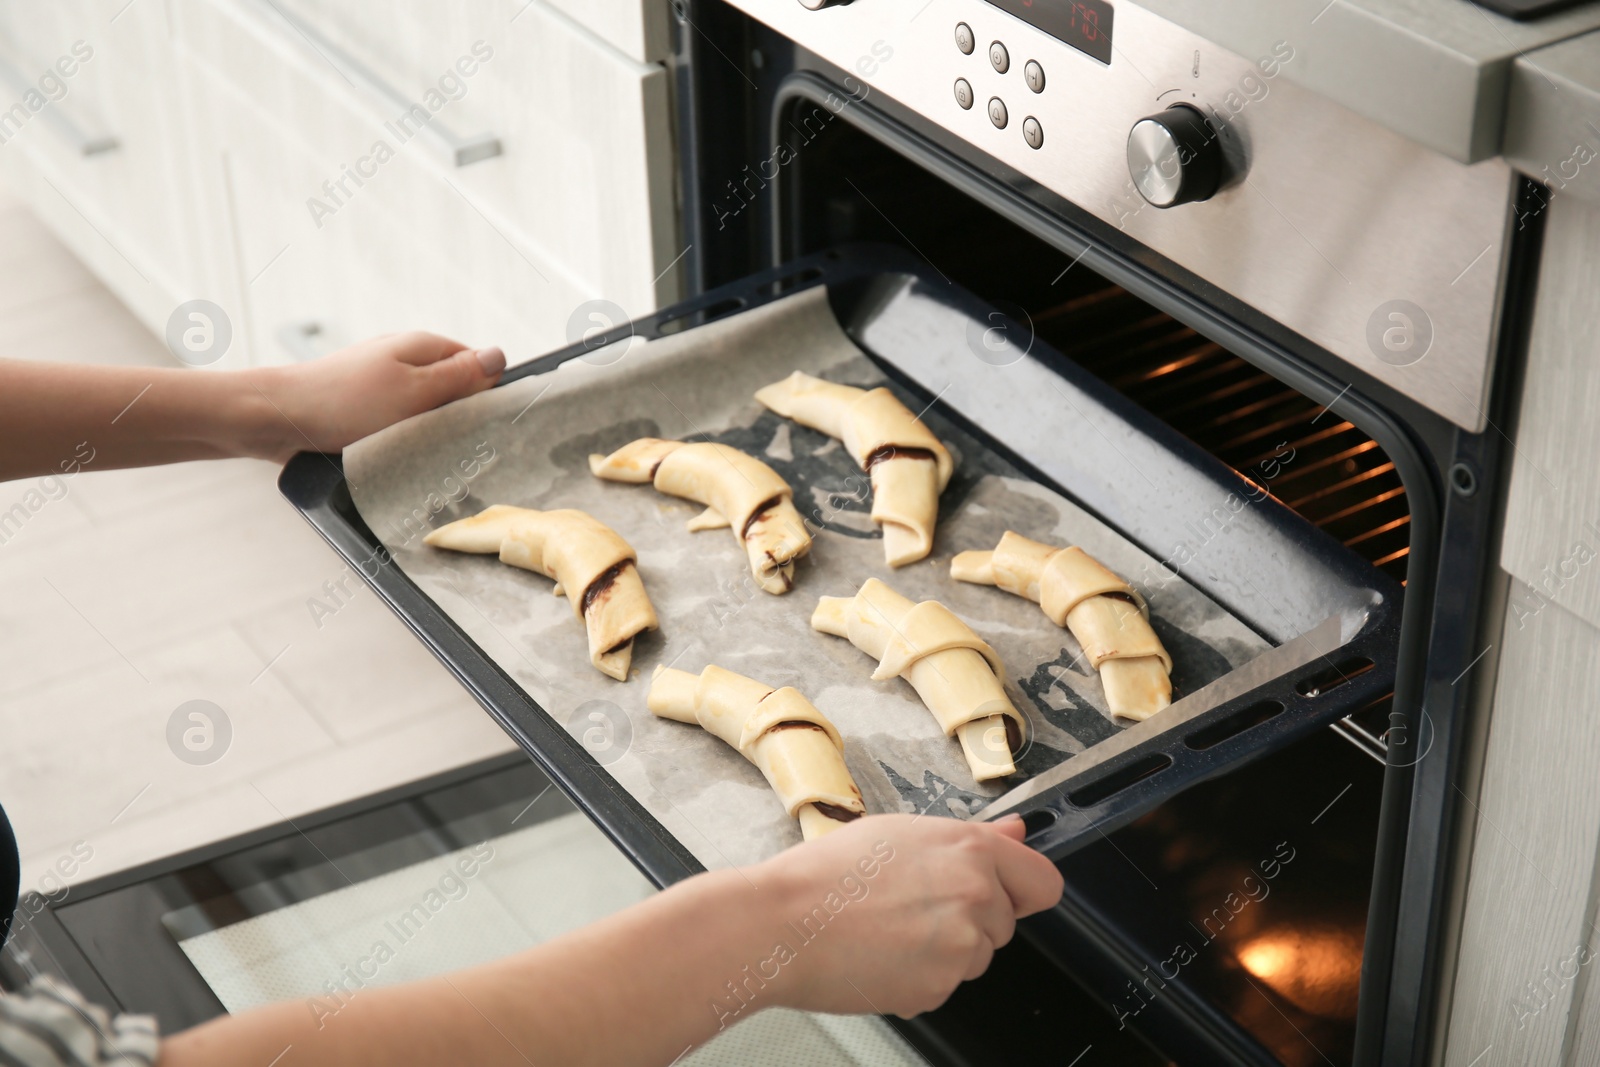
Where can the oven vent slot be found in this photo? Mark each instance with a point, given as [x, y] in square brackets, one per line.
[1038, 819]
[698, 317]
[1333, 677]
[1102, 788]
[1233, 725]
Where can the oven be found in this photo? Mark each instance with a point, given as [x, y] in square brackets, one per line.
[1106, 251]
[1262, 340]
[1264, 274]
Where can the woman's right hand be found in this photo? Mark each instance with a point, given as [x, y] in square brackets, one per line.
[887, 914]
[890, 913]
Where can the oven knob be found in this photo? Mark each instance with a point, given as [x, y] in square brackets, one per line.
[1174, 157]
[817, 5]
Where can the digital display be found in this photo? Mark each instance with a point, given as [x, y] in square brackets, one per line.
[1084, 24]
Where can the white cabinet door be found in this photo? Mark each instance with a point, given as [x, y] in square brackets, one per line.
[586, 170]
[92, 139]
[252, 169]
[638, 28]
[301, 287]
[578, 205]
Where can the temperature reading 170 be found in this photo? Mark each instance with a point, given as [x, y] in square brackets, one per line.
[1084, 24]
[1085, 18]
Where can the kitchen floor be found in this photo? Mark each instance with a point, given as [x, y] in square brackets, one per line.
[124, 595]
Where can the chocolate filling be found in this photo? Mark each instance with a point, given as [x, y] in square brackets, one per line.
[785, 576]
[606, 580]
[791, 724]
[1013, 733]
[835, 812]
[1124, 597]
[757, 515]
[878, 455]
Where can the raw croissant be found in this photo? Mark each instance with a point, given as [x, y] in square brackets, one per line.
[778, 730]
[957, 675]
[1106, 614]
[739, 492]
[909, 465]
[590, 562]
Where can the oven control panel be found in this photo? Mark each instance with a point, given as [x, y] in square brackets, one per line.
[1378, 249]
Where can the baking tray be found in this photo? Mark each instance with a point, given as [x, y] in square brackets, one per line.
[1298, 632]
[1527, 10]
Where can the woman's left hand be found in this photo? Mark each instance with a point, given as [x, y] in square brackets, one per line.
[329, 403]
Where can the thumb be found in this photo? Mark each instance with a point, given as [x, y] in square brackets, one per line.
[1008, 826]
[471, 370]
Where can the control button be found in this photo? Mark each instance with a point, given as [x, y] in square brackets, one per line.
[964, 39]
[964, 94]
[997, 112]
[999, 57]
[1032, 132]
[816, 5]
[1174, 157]
[1033, 74]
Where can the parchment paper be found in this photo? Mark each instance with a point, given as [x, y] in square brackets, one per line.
[527, 444]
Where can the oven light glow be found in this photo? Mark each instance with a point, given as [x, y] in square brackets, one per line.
[1318, 971]
[1267, 959]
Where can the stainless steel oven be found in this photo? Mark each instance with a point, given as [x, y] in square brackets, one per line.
[1264, 272]
[1158, 276]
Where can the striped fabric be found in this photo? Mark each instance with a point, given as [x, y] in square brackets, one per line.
[50, 1025]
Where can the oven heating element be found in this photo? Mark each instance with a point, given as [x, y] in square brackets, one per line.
[1315, 463]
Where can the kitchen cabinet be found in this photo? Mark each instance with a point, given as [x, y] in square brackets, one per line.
[1523, 982]
[640, 30]
[310, 178]
[89, 136]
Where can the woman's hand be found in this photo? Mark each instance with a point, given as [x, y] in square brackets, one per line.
[329, 403]
[57, 419]
[892, 912]
[888, 914]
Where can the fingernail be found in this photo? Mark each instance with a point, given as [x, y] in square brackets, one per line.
[1009, 817]
[492, 360]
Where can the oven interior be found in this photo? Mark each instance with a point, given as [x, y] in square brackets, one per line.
[1186, 884]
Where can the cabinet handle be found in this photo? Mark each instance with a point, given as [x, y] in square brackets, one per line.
[84, 144]
[295, 338]
[456, 150]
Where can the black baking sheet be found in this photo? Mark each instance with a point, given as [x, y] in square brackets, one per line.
[527, 444]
